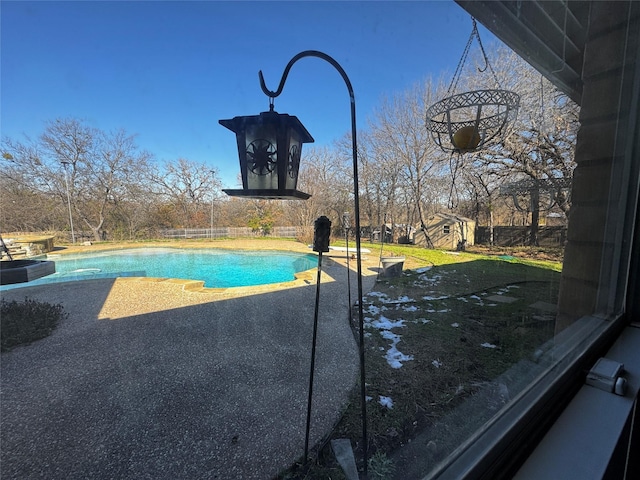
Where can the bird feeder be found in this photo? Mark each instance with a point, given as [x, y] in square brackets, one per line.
[269, 150]
[473, 120]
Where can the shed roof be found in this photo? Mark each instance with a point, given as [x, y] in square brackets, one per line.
[452, 217]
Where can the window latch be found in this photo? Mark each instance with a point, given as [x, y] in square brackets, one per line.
[607, 375]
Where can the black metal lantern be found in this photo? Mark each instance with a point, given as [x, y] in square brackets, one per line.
[269, 149]
[321, 234]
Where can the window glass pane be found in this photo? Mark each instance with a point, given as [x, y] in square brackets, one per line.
[496, 213]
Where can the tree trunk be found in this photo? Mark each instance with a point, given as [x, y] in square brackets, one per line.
[535, 216]
[423, 227]
[491, 239]
[96, 234]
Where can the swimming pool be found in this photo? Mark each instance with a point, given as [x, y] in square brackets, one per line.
[218, 268]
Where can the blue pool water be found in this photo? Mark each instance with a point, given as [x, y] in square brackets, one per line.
[218, 268]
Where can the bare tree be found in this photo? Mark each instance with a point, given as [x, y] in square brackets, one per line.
[97, 164]
[325, 175]
[25, 209]
[189, 187]
[400, 136]
[262, 215]
[483, 187]
[538, 154]
[134, 214]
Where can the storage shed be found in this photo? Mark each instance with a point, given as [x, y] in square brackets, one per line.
[447, 231]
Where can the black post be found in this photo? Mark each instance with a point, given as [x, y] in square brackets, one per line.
[347, 224]
[321, 234]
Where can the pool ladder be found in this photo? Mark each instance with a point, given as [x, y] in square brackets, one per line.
[5, 249]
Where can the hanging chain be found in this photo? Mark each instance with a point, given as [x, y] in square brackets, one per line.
[484, 54]
[453, 203]
[463, 59]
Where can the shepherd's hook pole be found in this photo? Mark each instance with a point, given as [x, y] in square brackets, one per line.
[346, 224]
[356, 195]
[322, 233]
[313, 359]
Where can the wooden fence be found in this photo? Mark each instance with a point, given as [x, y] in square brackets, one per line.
[235, 232]
[516, 236]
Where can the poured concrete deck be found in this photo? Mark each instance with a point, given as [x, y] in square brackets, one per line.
[147, 379]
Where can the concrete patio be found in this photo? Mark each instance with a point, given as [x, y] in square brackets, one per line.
[148, 379]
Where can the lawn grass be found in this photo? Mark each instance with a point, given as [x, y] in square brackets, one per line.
[418, 256]
[454, 341]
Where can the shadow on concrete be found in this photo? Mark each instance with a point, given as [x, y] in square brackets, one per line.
[215, 390]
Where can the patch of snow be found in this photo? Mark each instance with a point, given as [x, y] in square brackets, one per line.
[444, 310]
[424, 320]
[377, 294]
[373, 309]
[492, 304]
[455, 325]
[434, 279]
[386, 401]
[385, 299]
[488, 345]
[404, 299]
[389, 335]
[429, 298]
[462, 299]
[412, 308]
[395, 357]
[384, 323]
[368, 398]
[479, 302]
[437, 363]
[423, 269]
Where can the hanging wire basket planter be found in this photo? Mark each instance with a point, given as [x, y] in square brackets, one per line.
[470, 121]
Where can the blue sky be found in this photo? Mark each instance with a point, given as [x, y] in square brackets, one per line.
[168, 71]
